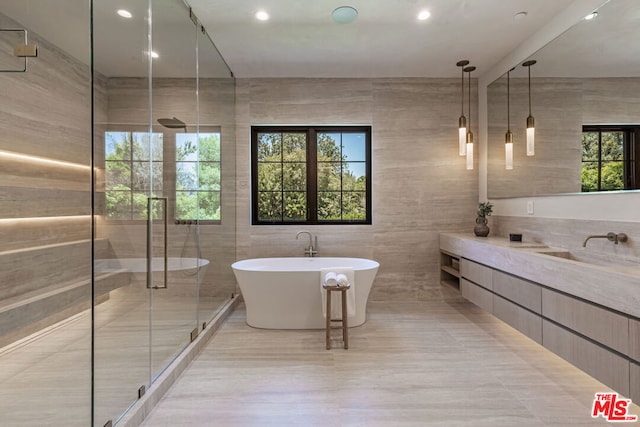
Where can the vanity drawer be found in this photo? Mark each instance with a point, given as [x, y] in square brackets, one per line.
[520, 291]
[599, 324]
[600, 363]
[634, 340]
[518, 318]
[634, 379]
[477, 295]
[477, 273]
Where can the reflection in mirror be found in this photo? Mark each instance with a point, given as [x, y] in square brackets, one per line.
[587, 80]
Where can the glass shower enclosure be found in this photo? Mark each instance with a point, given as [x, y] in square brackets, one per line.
[117, 221]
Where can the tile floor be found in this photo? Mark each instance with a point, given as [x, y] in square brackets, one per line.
[411, 364]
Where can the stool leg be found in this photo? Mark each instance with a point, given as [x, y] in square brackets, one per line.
[345, 332]
[328, 332]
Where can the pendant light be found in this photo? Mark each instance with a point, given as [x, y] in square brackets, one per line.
[462, 121]
[531, 129]
[469, 133]
[508, 137]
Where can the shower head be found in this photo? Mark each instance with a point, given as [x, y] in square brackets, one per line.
[173, 123]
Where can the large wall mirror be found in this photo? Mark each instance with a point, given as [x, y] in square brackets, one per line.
[585, 97]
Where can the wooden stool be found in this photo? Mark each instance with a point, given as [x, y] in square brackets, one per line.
[343, 297]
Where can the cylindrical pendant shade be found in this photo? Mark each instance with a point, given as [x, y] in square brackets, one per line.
[508, 150]
[469, 151]
[531, 134]
[462, 135]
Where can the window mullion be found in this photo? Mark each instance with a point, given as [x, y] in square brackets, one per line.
[312, 176]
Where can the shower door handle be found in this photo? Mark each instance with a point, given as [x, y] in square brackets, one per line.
[165, 201]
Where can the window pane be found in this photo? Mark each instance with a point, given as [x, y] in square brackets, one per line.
[329, 206]
[209, 203]
[117, 145]
[209, 176]
[329, 177]
[354, 206]
[140, 179]
[294, 176]
[209, 147]
[269, 147]
[141, 146]
[612, 146]
[186, 176]
[157, 176]
[139, 208]
[295, 206]
[186, 205]
[589, 176]
[186, 147]
[354, 176]
[329, 147]
[269, 176]
[354, 147]
[269, 206]
[118, 204]
[612, 176]
[589, 146]
[294, 147]
[117, 175]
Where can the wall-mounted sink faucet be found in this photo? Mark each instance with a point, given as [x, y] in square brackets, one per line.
[612, 237]
[310, 251]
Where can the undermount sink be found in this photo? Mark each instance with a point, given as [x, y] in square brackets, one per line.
[620, 265]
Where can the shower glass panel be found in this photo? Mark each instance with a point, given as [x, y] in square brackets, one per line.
[216, 103]
[128, 154]
[174, 114]
[117, 225]
[45, 217]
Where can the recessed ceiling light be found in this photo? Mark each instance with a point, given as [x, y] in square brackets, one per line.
[344, 15]
[124, 13]
[590, 16]
[261, 15]
[423, 15]
[520, 15]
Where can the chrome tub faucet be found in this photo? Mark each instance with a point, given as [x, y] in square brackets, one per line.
[310, 251]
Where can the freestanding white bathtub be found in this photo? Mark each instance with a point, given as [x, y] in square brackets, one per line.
[285, 293]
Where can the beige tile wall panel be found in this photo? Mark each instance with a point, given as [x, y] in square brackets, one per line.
[598, 362]
[24, 234]
[517, 317]
[420, 184]
[570, 234]
[477, 273]
[634, 379]
[634, 339]
[520, 291]
[601, 325]
[477, 295]
[20, 202]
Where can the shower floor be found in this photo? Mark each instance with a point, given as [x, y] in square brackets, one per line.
[46, 377]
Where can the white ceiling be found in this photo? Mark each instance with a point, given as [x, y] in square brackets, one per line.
[301, 40]
[386, 39]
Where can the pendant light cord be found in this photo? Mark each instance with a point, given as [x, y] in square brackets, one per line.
[470, 101]
[529, 69]
[508, 101]
[462, 92]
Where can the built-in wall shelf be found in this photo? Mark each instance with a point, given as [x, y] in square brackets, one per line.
[450, 269]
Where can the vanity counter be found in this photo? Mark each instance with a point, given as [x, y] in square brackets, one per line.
[614, 287]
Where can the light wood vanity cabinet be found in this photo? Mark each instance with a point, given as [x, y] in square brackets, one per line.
[602, 342]
[602, 364]
[477, 295]
[601, 325]
[634, 340]
[477, 273]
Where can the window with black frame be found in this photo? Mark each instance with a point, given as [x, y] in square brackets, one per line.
[609, 157]
[311, 175]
